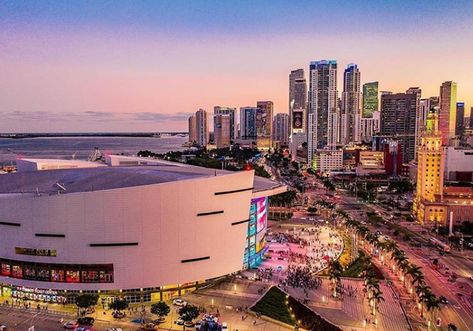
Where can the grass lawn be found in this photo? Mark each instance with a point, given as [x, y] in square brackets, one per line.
[273, 304]
[345, 257]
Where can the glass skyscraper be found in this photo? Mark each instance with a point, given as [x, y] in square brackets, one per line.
[370, 99]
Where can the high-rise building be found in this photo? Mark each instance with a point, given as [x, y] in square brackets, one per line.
[322, 120]
[448, 111]
[398, 120]
[430, 170]
[222, 133]
[248, 123]
[192, 129]
[370, 99]
[264, 124]
[351, 105]
[460, 117]
[232, 112]
[281, 129]
[369, 126]
[297, 101]
[202, 128]
[471, 118]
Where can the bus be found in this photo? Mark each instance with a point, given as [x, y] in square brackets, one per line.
[440, 245]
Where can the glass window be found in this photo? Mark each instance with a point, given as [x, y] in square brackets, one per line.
[42, 273]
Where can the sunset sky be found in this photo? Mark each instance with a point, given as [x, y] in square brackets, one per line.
[145, 65]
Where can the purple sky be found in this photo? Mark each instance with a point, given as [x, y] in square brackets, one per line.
[145, 65]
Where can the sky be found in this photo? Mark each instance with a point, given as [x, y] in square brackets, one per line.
[70, 66]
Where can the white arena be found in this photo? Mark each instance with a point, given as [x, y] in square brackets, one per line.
[148, 230]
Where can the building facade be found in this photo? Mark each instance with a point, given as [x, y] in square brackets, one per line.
[222, 130]
[369, 126]
[460, 115]
[297, 101]
[202, 128]
[232, 112]
[326, 161]
[192, 129]
[322, 119]
[351, 105]
[281, 129]
[248, 123]
[398, 120]
[448, 111]
[370, 99]
[129, 234]
[264, 124]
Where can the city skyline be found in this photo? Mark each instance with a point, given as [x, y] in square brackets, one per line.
[98, 67]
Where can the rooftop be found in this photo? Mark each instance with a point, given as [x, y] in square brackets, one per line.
[107, 177]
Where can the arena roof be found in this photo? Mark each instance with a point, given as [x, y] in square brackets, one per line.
[105, 178]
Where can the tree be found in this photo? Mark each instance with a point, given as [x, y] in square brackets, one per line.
[189, 313]
[119, 305]
[161, 309]
[85, 301]
[335, 274]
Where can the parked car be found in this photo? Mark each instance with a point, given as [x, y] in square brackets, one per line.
[179, 302]
[83, 329]
[224, 326]
[70, 325]
[189, 324]
[86, 321]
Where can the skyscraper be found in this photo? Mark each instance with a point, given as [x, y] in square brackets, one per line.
[248, 123]
[370, 99]
[448, 111]
[425, 107]
[231, 111]
[192, 129]
[460, 114]
[351, 99]
[222, 126]
[297, 101]
[281, 129]
[264, 124]
[398, 120]
[202, 128]
[322, 120]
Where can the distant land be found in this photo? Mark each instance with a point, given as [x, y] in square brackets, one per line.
[92, 134]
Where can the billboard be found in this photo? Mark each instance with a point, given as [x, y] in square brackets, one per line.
[257, 226]
[298, 119]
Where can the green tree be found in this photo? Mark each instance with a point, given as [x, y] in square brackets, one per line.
[161, 309]
[119, 305]
[85, 301]
[188, 313]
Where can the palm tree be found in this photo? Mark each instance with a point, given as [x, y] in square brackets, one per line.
[376, 297]
[335, 274]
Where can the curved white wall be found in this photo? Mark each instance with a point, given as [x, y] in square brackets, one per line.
[162, 218]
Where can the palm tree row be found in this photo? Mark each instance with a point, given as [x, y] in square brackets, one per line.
[390, 254]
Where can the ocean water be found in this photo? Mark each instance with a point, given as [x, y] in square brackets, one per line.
[82, 147]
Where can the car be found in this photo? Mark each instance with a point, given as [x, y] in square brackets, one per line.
[86, 321]
[189, 324]
[179, 321]
[224, 326]
[179, 302]
[198, 325]
[118, 314]
[70, 325]
[159, 320]
[452, 327]
[2, 327]
[115, 329]
[443, 300]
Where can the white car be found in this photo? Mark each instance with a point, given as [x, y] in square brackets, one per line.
[70, 325]
[179, 302]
